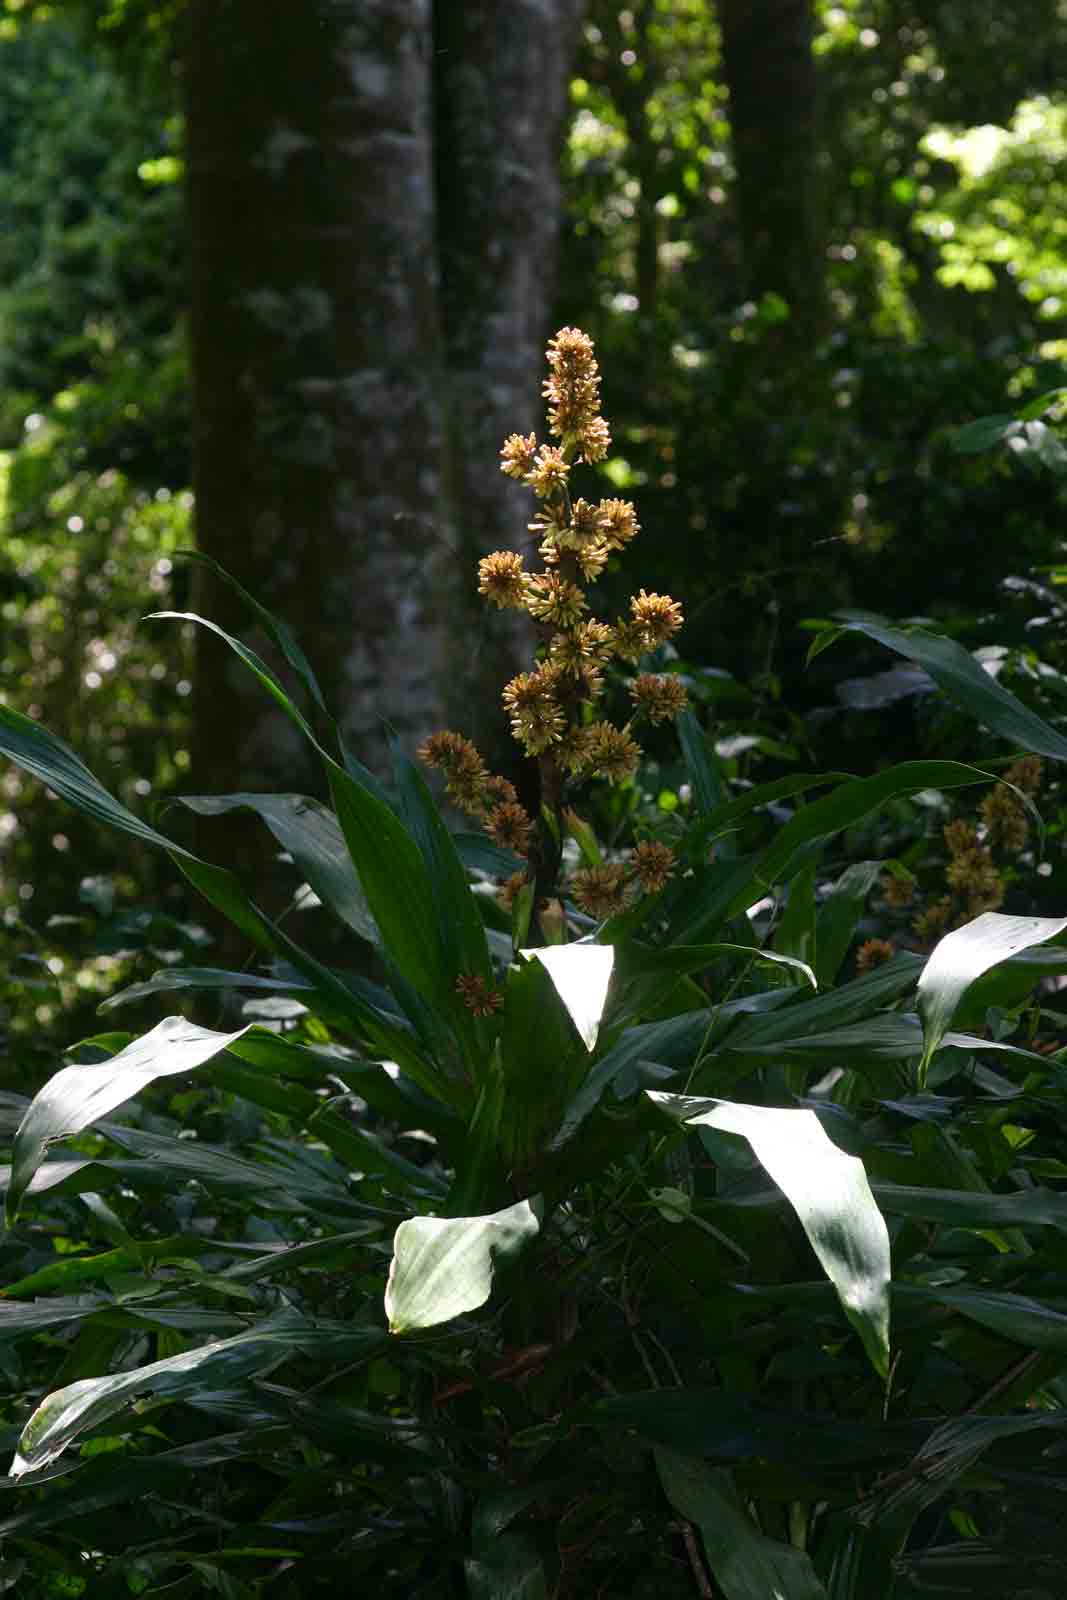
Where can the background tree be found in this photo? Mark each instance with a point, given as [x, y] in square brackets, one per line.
[773, 88]
[373, 208]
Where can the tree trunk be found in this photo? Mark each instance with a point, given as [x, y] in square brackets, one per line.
[373, 204]
[314, 341]
[502, 76]
[771, 77]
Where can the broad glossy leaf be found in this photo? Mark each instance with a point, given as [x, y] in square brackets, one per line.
[962, 956]
[982, 434]
[481, 855]
[65, 1415]
[443, 1266]
[830, 1194]
[581, 975]
[889, 1036]
[18, 1320]
[79, 1095]
[968, 683]
[310, 832]
[543, 1059]
[363, 1151]
[744, 1563]
[943, 1457]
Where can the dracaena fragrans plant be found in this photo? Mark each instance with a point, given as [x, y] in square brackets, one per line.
[555, 708]
[552, 1260]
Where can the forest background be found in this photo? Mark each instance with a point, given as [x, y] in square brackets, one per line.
[304, 263]
[275, 284]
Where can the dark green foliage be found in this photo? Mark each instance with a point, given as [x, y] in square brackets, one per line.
[603, 1318]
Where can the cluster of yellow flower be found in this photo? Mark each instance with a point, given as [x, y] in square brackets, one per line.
[972, 875]
[551, 708]
[576, 540]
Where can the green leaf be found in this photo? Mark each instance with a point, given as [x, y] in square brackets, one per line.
[982, 434]
[79, 1095]
[169, 979]
[41, 754]
[460, 928]
[848, 804]
[838, 916]
[259, 667]
[1041, 403]
[962, 1208]
[396, 883]
[766, 794]
[679, 959]
[744, 1563]
[277, 630]
[1013, 1316]
[968, 683]
[363, 1151]
[444, 1266]
[509, 1569]
[672, 1041]
[581, 975]
[309, 831]
[63, 1416]
[846, 1005]
[961, 957]
[830, 1194]
[542, 1061]
[795, 933]
[482, 855]
[700, 764]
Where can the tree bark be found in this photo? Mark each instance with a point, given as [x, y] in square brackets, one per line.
[502, 76]
[314, 337]
[773, 88]
[373, 207]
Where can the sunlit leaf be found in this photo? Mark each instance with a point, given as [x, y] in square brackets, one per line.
[63, 1416]
[581, 974]
[79, 1095]
[444, 1266]
[962, 956]
[830, 1194]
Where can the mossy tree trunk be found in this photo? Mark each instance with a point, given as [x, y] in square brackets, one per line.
[373, 207]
